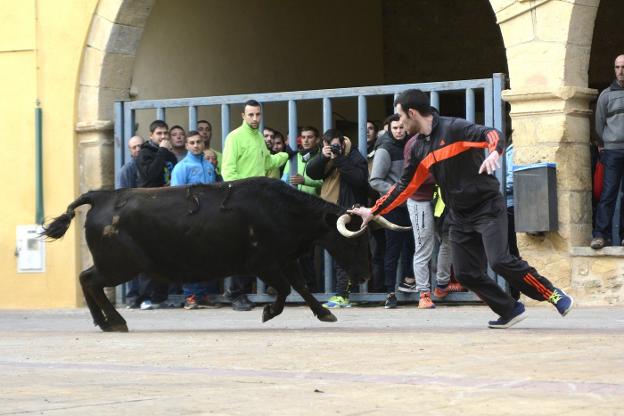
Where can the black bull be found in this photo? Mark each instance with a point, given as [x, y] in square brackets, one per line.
[193, 233]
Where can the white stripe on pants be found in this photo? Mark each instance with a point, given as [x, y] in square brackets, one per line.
[421, 217]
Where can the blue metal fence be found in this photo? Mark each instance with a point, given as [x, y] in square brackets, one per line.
[491, 111]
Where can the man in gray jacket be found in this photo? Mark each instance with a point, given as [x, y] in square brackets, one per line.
[610, 130]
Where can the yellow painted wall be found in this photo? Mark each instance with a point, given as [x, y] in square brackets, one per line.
[41, 44]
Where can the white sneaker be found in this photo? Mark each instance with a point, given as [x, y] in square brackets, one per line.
[146, 305]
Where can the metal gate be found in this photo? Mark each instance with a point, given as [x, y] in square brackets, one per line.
[491, 113]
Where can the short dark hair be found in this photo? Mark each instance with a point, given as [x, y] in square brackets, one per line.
[177, 126]
[416, 100]
[191, 133]
[158, 124]
[373, 123]
[206, 122]
[278, 134]
[393, 117]
[332, 134]
[269, 129]
[251, 103]
[312, 129]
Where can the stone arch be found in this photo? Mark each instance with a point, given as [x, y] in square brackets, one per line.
[105, 77]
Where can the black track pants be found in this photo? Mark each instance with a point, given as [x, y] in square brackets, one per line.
[483, 239]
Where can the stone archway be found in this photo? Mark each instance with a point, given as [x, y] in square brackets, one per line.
[105, 77]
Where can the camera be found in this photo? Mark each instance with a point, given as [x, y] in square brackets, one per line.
[336, 149]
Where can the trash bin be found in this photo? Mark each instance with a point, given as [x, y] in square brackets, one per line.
[535, 197]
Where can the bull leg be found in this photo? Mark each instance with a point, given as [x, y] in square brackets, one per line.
[103, 312]
[98, 317]
[283, 290]
[294, 276]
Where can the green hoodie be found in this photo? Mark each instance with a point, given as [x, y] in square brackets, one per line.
[245, 155]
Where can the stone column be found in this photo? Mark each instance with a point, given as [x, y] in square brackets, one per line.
[105, 77]
[548, 46]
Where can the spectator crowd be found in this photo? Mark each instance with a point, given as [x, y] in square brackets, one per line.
[329, 166]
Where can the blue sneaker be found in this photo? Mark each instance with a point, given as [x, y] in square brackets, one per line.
[562, 301]
[517, 315]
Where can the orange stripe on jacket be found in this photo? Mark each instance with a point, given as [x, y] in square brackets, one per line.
[422, 171]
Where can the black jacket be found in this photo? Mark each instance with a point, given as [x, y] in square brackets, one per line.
[154, 165]
[353, 170]
[453, 152]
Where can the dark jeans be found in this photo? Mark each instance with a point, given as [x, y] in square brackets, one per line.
[377, 244]
[613, 161]
[240, 285]
[152, 289]
[484, 239]
[398, 244]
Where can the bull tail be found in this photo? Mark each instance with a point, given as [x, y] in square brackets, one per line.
[59, 225]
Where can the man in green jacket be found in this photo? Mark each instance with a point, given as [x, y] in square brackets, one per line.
[245, 155]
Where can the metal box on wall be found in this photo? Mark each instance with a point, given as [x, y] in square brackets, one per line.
[535, 197]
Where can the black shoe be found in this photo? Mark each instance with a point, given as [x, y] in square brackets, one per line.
[391, 301]
[517, 314]
[243, 304]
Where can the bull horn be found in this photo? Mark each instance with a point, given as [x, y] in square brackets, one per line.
[389, 225]
[341, 225]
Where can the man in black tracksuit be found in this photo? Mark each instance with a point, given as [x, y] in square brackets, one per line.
[453, 149]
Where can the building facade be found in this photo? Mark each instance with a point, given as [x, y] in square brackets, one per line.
[73, 58]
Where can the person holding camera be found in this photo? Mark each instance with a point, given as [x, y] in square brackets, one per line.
[344, 172]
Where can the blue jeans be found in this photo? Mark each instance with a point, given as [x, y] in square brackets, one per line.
[613, 161]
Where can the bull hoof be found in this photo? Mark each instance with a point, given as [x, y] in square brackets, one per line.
[266, 313]
[330, 317]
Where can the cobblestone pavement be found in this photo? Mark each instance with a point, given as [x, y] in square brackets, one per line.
[371, 362]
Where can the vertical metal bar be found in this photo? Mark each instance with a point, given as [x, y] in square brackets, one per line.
[225, 130]
[38, 164]
[292, 134]
[128, 121]
[225, 123]
[327, 115]
[435, 100]
[362, 117]
[261, 125]
[498, 81]
[118, 141]
[192, 117]
[328, 267]
[488, 102]
[160, 114]
[470, 105]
